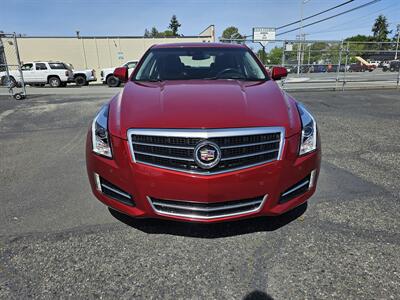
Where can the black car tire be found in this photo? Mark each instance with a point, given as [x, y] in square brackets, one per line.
[19, 96]
[113, 81]
[54, 81]
[80, 80]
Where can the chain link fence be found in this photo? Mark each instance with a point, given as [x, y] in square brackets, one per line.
[11, 75]
[337, 65]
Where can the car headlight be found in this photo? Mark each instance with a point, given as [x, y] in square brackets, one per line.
[308, 140]
[100, 137]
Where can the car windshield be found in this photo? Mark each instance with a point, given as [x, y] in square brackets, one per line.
[199, 63]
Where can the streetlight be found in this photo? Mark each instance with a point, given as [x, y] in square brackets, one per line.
[397, 43]
[301, 36]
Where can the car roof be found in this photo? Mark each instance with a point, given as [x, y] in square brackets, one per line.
[46, 61]
[199, 45]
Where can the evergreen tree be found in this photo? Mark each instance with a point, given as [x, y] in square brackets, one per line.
[380, 29]
[174, 25]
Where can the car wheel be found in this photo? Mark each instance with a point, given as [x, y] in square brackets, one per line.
[80, 80]
[113, 81]
[54, 81]
[19, 96]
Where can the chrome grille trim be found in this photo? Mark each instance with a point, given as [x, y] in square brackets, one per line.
[188, 137]
[194, 208]
[193, 211]
[297, 187]
[115, 191]
[205, 133]
[248, 145]
[164, 156]
[249, 155]
[162, 146]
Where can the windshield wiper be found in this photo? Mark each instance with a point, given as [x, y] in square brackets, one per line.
[234, 78]
[150, 80]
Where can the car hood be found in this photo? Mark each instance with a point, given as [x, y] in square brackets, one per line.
[202, 104]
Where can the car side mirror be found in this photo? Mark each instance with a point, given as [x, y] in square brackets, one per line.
[121, 73]
[279, 73]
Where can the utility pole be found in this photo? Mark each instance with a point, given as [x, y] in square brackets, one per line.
[299, 50]
[397, 43]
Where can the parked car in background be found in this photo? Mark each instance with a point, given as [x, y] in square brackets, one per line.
[385, 65]
[317, 68]
[83, 77]
[358, 67]
[376, 63]
[107, 76]
[54, 73]
[394, 66]
[334, 68]
[223, 143]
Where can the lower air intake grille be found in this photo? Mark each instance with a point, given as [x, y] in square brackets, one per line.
[296, 190]
[112, 191]
[201, 210]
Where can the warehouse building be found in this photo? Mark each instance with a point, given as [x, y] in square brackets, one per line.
[97, 52]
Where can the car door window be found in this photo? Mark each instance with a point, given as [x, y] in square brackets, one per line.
[57, 66]
[41, 66]
[27, 67]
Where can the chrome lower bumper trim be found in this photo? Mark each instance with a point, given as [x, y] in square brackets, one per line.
[194, 211]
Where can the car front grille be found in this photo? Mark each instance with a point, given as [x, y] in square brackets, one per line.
[201, 210]
[174, 149]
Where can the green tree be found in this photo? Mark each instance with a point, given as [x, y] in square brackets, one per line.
[168, 33]
[274, 56]
[147, 33]
[174, 25]
[154, 33]
[231, 32]
[358, 44]
[380, 29]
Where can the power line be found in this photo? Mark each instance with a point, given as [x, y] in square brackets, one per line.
[331, 17]
[317, 14]
[344, 26]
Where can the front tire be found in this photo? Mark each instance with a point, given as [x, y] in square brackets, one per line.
[19, 96]
[113, 81]
[80, 80]
[54, 82]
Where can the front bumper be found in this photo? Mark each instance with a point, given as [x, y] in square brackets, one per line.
[268, 181]
[91, 78]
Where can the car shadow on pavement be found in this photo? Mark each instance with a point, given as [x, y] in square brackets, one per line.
[257, 295]
[215, 230]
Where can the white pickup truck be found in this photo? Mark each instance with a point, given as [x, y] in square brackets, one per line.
[108, 78]
[54, 73]
[83, 77]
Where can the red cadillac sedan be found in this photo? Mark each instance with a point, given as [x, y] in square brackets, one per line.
[202, 133]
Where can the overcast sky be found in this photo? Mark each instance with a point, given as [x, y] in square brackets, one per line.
[118, 17]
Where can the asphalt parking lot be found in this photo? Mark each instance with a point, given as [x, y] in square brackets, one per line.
[57, 240]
